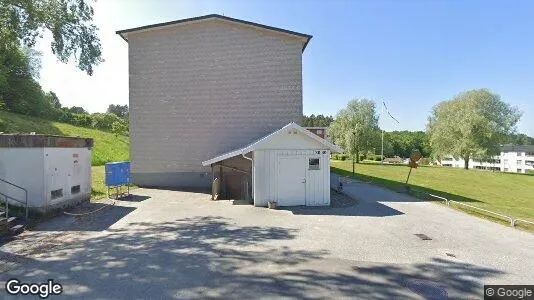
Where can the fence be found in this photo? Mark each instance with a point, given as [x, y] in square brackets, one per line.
[513, 221]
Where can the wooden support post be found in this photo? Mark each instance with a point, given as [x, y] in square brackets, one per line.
[410, 172]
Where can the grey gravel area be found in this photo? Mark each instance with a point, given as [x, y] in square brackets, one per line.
[172, 244]
[340, 199]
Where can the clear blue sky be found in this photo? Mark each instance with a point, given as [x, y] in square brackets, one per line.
[410, 54]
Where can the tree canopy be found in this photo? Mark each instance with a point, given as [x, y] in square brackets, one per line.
[120, 111]
[316, 121]
[69, 22]
[402, 143]
[471, 125]
[356, 127]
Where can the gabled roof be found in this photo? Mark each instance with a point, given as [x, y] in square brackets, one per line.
[257, 144]
[123, 33]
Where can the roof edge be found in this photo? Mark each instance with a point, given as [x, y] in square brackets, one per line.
[252, 146]
[199, 18]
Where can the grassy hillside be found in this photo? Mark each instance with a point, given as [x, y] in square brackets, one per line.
[506, 193]
[107, 146]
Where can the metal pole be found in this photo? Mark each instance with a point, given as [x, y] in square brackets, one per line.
[353, 150]
[381, 117]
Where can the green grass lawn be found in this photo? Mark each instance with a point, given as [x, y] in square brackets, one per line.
[98, 189]
[506, 193]
[107, 146]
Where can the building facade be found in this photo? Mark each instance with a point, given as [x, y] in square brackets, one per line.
[513, 158]
[203, 86]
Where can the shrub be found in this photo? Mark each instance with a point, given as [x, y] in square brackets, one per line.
[120, 127]
[341, 156]
[82, 120]
[104, 120]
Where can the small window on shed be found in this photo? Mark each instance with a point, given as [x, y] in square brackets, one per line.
[75, 189]
[56, 194]
[313, 164]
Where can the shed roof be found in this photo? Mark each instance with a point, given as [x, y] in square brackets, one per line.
[43, 141]
[257, 144]
[306, 37]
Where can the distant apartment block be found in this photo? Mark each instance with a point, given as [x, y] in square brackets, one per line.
[513, 158]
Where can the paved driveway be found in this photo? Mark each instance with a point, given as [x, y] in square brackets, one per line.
[167, 244]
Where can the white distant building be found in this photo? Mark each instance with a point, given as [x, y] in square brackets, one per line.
[513, 158]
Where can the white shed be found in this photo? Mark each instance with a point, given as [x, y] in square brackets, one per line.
[291, 167]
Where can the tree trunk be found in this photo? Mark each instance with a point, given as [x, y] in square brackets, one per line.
[357, 156]
[466, 162]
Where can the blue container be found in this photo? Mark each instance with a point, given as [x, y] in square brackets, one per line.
[117, 173]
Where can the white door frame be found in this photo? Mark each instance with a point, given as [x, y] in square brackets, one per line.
[294, 181]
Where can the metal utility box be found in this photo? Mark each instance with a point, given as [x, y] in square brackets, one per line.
[54, 170]
[117, 173]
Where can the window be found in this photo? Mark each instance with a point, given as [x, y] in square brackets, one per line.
[75, 189]
[313, 164]
[519, 171]
[518, 153]
[530, 153]
[56, 194]
[519, 162]
[505, 169]
[505, 161]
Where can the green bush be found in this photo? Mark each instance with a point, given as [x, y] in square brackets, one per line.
[104, 120]
[340, 156]
[83, 120]
[120, 127]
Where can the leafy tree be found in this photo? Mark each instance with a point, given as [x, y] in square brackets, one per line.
[316, 121]
[120, 111]
[520, 139]
[19, 90]
[78, 110]
[83, 120]
[404, 142]
[120, 127]
[104, 120]
[69, 22]
[471, 125]
[356, 127]
[52, 98]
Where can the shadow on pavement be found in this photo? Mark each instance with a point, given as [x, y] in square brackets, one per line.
[362, 209]
[210, 256]
[100, 220]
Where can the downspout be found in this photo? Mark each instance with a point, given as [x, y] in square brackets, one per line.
[251, 173]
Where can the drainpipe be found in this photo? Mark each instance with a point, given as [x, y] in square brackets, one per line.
[252, 171]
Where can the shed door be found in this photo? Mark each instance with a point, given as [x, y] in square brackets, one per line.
[291, 181]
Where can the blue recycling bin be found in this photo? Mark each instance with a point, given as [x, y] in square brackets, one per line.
[117, 173]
